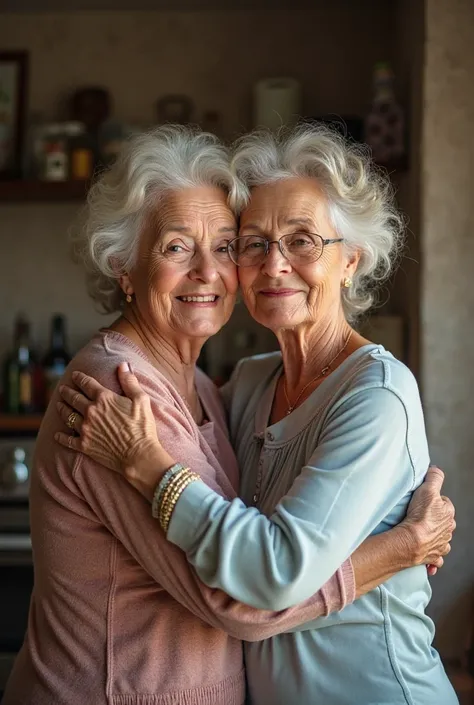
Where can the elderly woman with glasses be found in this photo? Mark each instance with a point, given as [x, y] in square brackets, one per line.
[328, 432]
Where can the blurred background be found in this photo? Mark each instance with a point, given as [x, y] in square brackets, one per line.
[77, 78]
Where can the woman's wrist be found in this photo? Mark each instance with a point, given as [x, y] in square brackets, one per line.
[380, 556]
[147, 471]
[403, 545]
[411, 538]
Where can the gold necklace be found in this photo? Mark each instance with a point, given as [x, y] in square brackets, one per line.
[323, 373]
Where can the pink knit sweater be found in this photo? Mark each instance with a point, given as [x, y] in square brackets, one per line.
[117, 615]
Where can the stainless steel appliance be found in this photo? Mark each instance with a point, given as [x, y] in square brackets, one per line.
[16, 565]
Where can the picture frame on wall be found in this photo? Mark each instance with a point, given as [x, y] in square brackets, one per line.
[13, 80]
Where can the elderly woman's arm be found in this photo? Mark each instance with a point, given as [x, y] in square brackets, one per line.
[360, 470]
[413, 542]
[117, 506]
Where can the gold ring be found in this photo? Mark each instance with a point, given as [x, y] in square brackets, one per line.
[71, 420]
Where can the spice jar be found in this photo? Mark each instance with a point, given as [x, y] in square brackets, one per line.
[81, 152]
[55, 153]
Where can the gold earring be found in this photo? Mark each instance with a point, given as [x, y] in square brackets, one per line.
[347, 283]
[128, 299]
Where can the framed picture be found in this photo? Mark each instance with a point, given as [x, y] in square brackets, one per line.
[13, 77]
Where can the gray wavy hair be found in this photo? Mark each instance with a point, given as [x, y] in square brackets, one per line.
[167, 158]
[360, 197]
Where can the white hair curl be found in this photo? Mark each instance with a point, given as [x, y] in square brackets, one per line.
[165, 159]
[360, 196]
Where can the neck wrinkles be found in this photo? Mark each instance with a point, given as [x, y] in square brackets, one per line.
[308, 349]
[176, 361]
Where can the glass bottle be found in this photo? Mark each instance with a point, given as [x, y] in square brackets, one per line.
[19, 372]
[15, 471]
[57, 358]
[81, 151]
[55, 154]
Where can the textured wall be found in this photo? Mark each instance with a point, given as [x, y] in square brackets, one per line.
[38, 276]
[447, 302]
[214, 57]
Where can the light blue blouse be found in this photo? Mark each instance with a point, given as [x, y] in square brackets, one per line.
[342, 466]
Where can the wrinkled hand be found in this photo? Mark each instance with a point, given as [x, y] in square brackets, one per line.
[430, 517]
[118, 432]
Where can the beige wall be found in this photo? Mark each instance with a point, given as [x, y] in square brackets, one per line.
[38, 276]
[214, 57]
[447, 293]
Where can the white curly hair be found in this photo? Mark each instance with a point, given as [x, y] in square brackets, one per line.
[360, 196]
[168, 158]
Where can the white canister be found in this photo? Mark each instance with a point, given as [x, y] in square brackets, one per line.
[277, 102]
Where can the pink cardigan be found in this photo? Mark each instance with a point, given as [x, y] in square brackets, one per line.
[117, 615]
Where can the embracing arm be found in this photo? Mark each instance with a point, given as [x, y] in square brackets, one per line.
[117, 505]
[359, 471]
[413, 542]
[123, 511]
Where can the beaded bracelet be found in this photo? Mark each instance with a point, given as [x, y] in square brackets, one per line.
[166, 496]
[179, 485]
[173, 486]
[162, 485]
[192, 477]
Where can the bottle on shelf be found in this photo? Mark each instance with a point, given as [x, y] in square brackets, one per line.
[57, 358]
[14, 472]
[19, 382]
[81, 151]
[56, 157]
[385, 123]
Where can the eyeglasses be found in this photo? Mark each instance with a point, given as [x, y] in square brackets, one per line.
[297, 248]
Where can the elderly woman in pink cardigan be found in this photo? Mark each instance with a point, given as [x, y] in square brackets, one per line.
[117, 615]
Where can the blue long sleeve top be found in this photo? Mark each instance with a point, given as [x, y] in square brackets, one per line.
[314, 485]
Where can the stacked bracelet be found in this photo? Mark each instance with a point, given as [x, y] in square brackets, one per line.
[172, 484]
[160, 488]
[169, 491]
[176, 486]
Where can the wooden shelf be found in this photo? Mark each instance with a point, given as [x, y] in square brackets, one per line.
[21, 191]
[11, 424]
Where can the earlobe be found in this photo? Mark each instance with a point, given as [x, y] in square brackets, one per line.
[126, 285]
[127, 288]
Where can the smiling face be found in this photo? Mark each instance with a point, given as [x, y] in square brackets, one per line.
[280, 294]
[183, 281]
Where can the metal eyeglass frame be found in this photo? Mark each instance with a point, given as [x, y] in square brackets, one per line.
[267, 243]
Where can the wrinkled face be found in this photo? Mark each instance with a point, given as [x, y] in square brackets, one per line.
[184, 283]
[281, 294]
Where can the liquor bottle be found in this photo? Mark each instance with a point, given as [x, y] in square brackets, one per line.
[385, 123]
[19, 372]
[57, 358]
